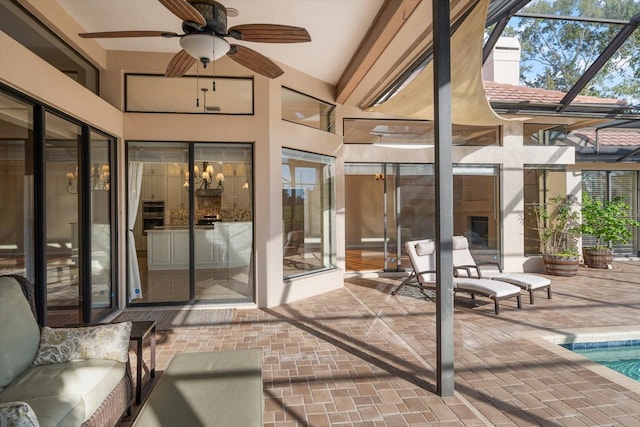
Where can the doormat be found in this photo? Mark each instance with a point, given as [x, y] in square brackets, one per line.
[167, 320]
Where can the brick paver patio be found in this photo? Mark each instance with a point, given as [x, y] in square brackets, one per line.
[358, 356]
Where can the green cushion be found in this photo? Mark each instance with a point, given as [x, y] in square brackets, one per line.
[19, 332]
[65, 394]
[222, 388]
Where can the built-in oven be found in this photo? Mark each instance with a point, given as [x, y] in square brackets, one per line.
[152, 214]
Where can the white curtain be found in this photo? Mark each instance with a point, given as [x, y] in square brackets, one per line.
[133, 273]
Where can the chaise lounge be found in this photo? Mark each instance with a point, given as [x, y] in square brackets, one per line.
[464, 263]
[422, 255]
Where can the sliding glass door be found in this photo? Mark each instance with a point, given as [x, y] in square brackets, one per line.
[192, 234]
[390, 204]
[56, 223]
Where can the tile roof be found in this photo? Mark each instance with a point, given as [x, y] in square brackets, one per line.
[609, 137]
[504, 92]
[512, 93]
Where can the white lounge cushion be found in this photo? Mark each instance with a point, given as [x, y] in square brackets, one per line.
[65, 394]
[525, 281]
[425, 247]
[492, 288]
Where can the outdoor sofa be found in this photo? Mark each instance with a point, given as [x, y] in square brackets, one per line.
[59, 376]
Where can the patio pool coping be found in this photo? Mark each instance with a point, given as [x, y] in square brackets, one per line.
[551, 341]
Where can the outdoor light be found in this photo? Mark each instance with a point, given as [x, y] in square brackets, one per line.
[205, 47]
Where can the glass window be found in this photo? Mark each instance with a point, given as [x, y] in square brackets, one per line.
[63, 246]
[604, 185]
[29, 32]
[16, 187]
[103, 289]
[308, 212]
[544, 134]
[541, 184]
[188, 94]
[308, 111]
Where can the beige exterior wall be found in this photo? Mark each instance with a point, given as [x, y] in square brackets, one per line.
[25, 72]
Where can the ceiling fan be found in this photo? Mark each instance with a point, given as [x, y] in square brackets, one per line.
[205, 29]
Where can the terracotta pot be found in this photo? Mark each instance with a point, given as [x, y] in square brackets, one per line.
[597, 257]
[558, 265]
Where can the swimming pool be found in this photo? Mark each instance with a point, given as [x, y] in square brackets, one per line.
[621, 356]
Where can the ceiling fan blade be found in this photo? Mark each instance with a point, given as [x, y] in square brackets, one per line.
[254, 61]
[114, 34]
[179, 64]
[270, 33]
[184, 11]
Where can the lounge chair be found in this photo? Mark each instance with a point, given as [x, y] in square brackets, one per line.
[422, 255]
[464, 264]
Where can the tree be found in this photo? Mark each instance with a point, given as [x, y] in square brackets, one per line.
[555, 53]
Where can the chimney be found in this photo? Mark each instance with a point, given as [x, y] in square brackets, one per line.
[503, 64]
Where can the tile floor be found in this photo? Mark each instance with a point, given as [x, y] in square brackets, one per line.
[358, 356]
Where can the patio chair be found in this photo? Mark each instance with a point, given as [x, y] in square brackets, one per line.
[422, 255]
[464, 264]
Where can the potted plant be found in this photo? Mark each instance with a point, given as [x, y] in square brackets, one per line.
[558, 231]
[609, 222]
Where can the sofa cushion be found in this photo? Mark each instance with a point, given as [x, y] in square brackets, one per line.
[19, 332]
[65, 394]
[17, 414]
[59, 345]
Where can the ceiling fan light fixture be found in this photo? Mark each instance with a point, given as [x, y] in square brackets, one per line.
[205, 47]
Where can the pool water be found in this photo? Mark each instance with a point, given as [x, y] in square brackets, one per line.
[621, 356]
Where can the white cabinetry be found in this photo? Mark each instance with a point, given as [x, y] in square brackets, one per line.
[205, 249]
[159, 249]
[177, 196]
[154, 181]
[180, 247]
[227, 245]
[234, 196]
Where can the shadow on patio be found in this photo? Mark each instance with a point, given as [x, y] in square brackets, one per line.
[359, 356]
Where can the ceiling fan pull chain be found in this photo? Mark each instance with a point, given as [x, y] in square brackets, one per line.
[197, 85]
[213, 67]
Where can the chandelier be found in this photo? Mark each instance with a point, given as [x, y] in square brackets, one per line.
[100, 176]
[205, 179]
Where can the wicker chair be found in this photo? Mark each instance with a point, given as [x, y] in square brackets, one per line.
[117, 403]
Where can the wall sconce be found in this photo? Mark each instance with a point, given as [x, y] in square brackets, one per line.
[246, 184]
[379, 177]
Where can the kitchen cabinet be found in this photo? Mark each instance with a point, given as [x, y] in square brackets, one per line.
[159, 249]
[177, 195]
[154, 181]
[234, 196]
[227, 245]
